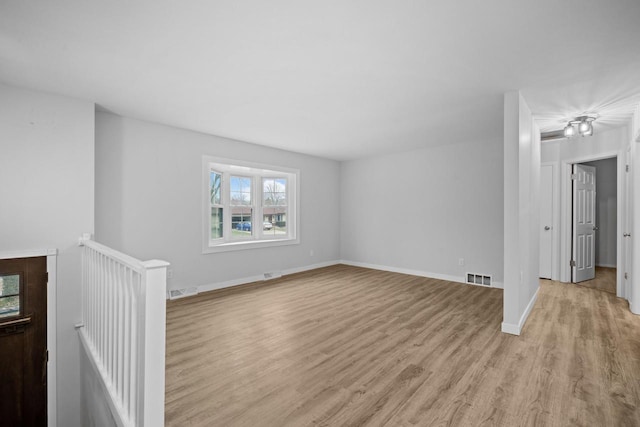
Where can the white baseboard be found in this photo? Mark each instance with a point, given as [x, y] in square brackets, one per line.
[258, 278]
[404, 271]
[420, 273]
[607, 265]
[229, 283]
[510, 328]
[310, 267]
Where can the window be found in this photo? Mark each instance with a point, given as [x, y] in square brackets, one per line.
[248, 205]
[274, 206]
[215, 187]
[241, 206]
[9, 295]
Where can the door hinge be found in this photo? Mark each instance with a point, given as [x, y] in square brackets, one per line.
[46, 277]
[626, 168]
[574, 176]
[46, 356]
[626, 275]
[572, 263]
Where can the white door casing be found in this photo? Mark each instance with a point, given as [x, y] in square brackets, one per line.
[546, 221]
[626, 238]
[584, 222]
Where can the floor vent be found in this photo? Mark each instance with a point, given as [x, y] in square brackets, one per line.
[181, 293]
[478, 279]
[272, 275]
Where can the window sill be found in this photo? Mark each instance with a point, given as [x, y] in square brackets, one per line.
[244, 245]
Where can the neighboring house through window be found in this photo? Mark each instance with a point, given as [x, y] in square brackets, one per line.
[248, 205]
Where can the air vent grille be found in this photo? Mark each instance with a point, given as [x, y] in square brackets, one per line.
[181, 293]
[478, 279]
[272, 275]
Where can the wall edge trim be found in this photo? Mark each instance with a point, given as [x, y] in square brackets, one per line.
[513, 329]
[257, 278]
[412, 272]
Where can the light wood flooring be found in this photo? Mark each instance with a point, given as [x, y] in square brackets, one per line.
[605, 280]
[351, 346]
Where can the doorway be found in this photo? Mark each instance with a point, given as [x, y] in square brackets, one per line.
[566, 215]
[604, 226]
[23, 341]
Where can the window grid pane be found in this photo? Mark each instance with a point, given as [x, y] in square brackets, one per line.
[9, 295]
[275, 221]
[241, 222]
[274, 191]
[240, 191]
[217, 223]
[215, 183]
[274, 197]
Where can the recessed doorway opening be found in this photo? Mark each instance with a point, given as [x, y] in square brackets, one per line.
[594, 224]
[606, 223]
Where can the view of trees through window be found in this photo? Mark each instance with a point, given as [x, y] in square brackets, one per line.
[217, 210]
[274, 193]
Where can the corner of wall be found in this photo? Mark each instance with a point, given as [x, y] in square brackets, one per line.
[521, 200]
[516, 328]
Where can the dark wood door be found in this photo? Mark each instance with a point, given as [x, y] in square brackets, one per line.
[23, 342]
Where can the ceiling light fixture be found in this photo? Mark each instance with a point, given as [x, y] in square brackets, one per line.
[585, 126]
[569, 130]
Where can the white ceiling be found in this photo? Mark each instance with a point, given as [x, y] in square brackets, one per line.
[337, 79]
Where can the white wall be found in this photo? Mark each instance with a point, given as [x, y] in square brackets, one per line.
[606, 211]
[148, 202]
[47, 193]
[95, 410]
[634, 210]
[521, 212]
[421, 211]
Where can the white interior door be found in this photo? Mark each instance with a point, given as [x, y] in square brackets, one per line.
[546, 221]
[584, 223]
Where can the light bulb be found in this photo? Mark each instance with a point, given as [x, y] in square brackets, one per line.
[588, 131]
[584, 127]
[569, 131]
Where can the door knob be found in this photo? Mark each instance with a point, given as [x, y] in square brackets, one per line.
[547, 228]
[627, 234]
[595, 228]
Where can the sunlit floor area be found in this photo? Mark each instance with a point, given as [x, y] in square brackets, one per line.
[351, 346]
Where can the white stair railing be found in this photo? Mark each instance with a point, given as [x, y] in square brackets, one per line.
[123, 331]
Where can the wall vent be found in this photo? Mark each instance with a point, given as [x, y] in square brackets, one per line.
[272, 275]
[478, 279]
[182, 293]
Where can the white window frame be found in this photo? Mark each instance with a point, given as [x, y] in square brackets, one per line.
[257, 171]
